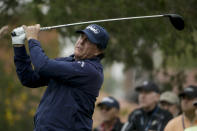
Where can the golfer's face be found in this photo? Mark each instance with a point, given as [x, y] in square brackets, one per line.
[84, 48]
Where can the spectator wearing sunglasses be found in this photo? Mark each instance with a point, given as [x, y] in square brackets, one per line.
[109, 110]
[170, 102]
[188, 118]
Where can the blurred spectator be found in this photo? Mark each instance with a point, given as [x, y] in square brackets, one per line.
[195, 105]
[149, 116]
[187, 118]
[170, 101]
[3, 31]
[193, 128]
[109, 110]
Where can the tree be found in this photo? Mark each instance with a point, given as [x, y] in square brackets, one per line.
[132, 42]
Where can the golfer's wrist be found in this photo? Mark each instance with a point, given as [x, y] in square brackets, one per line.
[18, 45]
[35, 38]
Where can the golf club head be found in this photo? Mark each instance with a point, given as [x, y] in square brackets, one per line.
[176, 20]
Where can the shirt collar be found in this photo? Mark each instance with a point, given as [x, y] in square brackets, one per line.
[96, 58]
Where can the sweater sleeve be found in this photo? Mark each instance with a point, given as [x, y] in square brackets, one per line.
[24, 70]
[64, 71]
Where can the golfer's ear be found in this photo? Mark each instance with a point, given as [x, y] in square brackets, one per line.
[98, 51]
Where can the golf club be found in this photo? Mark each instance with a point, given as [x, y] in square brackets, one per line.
[175, 19]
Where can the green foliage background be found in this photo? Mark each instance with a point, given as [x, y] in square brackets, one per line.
[132, 42]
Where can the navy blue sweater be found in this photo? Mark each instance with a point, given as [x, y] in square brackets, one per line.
[69, 100]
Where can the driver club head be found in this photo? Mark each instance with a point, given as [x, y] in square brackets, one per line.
[176, 20]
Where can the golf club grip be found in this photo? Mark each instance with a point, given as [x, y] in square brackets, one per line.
[13, 33]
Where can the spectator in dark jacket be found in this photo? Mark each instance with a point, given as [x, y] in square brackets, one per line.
[149, 116]
[73, 82]
[109, 111]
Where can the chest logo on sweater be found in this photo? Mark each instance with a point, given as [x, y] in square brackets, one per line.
[82, 63]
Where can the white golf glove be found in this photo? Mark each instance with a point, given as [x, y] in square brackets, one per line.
[18, 36]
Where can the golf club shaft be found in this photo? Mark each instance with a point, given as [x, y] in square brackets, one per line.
[98, 21]
[176, 21]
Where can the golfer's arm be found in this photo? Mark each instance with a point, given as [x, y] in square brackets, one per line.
[51, 68]
[26, 74]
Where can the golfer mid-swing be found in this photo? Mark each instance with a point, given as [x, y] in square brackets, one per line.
[73, 82]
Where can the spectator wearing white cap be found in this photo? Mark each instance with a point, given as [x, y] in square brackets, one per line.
[170, 101]
[109, 110]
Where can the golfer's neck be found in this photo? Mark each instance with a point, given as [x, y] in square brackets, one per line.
[83, 58]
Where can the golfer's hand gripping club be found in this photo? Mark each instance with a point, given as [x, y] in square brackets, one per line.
[18, 36]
